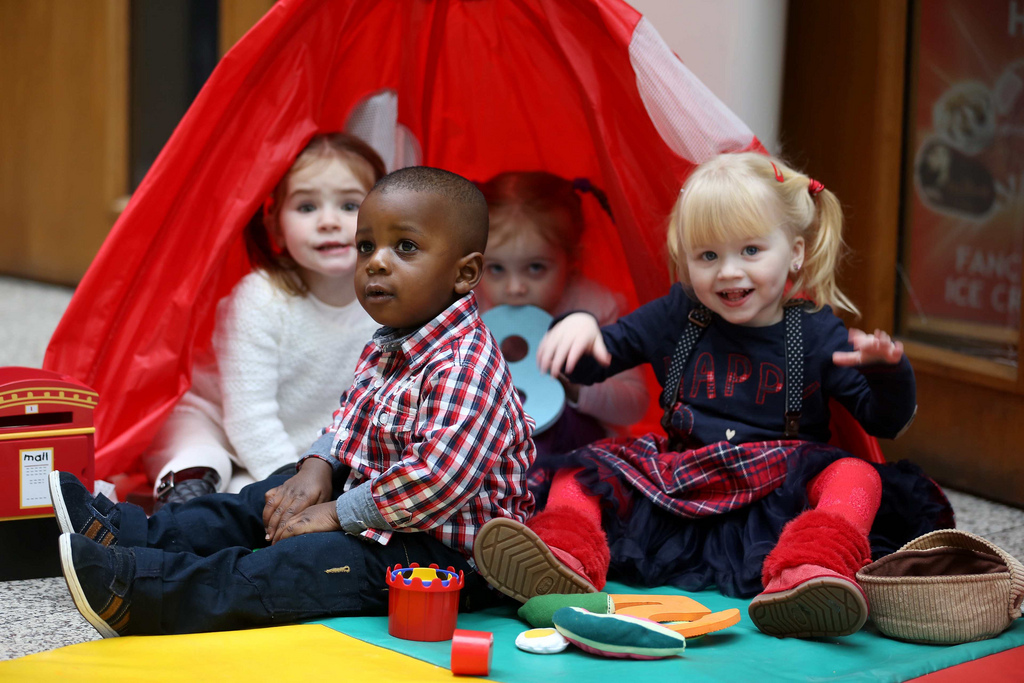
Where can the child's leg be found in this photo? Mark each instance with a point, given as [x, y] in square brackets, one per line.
[149, 591]
[810, 575]
[193, 447]
[566, 491]
[849, 488]
[240, 479]
[202, 526]
[210, 523]
[560, 550]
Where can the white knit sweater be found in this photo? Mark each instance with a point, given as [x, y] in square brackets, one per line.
[282, 363]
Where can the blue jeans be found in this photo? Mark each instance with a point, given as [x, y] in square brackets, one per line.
[205, 565]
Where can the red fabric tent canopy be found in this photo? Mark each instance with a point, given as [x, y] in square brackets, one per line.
[582, 88]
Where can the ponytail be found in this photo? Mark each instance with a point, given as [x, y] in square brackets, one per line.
[584, 185]
[823, 252]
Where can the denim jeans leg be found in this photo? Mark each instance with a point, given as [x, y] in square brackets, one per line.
[210, 523]
[302, 578]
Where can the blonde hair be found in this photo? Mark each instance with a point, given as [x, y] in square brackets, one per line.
[734, 196]
[365, 164]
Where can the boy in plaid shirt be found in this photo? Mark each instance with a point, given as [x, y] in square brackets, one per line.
[430, 442]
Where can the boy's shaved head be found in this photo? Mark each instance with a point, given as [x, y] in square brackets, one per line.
[466, 204]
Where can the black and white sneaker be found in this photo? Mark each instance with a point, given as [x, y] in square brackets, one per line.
[100, 579]
[79, 512]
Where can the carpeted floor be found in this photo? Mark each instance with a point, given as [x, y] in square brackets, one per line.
[39, 615]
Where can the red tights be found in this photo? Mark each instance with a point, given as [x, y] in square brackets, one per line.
[849, 488]
[566, 491]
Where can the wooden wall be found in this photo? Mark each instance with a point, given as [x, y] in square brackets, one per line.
[64, 128]
[842, 120]
[237, 17]
[63, 133]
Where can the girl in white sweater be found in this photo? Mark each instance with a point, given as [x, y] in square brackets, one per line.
[287, 338]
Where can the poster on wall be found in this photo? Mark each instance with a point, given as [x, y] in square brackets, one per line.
[965, 210]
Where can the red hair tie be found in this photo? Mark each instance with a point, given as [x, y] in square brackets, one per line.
[814, 187]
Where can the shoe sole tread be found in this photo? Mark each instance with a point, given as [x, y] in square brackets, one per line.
[517, 562]
[77, 593]
[818, 608]
[60, 509]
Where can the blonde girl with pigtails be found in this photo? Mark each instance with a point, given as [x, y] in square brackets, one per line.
[742, 491]
[811, 213]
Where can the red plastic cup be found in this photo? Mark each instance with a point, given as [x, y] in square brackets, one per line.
[423, 602]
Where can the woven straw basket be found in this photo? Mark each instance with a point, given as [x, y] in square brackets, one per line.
[945, 587]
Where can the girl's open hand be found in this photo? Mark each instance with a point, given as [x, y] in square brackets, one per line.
[310, 485]
[315, 518]
[869, 348]
[566, 342]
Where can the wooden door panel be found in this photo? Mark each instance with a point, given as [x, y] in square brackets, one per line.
[63, 133]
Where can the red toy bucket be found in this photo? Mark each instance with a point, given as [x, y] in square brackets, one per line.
[423, 602]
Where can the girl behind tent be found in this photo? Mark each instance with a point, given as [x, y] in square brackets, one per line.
[745, 448]
[536, 229]
[287, 338]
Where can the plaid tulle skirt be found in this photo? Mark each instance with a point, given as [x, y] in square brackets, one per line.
[709, 516]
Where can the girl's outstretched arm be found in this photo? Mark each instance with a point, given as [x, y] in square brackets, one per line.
[565, 343]
[868, 349]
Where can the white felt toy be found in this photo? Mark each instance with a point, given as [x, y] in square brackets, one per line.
[541, 641]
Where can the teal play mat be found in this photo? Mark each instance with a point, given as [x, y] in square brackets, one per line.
[739, 653]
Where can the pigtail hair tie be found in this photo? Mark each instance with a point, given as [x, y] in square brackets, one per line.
[814, 186]
[584, 185]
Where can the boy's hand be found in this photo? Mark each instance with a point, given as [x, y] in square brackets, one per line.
[566, 342]
[320, 517]
[310, 485]
[869, 348]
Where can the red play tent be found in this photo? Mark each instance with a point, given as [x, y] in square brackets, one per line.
[581, 88]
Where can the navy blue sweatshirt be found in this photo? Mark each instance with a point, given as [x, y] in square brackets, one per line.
[733, 387]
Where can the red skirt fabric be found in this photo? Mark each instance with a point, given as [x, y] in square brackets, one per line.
[708, 517]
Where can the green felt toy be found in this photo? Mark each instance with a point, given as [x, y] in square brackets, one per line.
[538, 610]
[617, 635]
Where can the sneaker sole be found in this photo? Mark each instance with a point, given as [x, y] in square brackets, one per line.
[819, 608]
[517, 562]
[59, 508]
[77, 594]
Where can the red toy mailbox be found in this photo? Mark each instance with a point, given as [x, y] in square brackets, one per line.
[45, 425]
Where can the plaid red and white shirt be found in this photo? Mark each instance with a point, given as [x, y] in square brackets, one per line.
[433, 422]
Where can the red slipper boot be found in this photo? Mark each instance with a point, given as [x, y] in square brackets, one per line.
[810, 586]
[559, 551]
